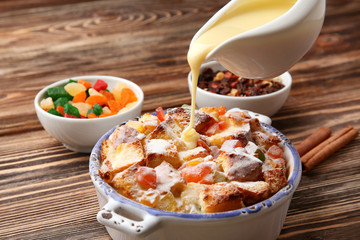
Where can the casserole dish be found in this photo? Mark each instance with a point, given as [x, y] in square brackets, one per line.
[126, 219]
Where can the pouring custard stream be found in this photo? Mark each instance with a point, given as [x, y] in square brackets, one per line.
[243, 16]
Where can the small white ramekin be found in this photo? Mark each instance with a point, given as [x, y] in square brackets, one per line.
[268, 104]
[80, 135]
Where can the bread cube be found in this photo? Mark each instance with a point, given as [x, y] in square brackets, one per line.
[198, 152]
[240, 167]
[159, 150]
[169, 130]
[190, 198]
[265, 140]
[124, 134]
[276, 178]
[202, 120]
[220, 197]
[125, 183]
[240, 132]
[169, 179]
[119, 158]
[253, 192]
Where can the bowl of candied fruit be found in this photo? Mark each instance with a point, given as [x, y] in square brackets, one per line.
[233, 180]
[219, 87]
[78, 111]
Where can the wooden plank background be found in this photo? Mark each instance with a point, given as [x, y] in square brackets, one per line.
[46, 191]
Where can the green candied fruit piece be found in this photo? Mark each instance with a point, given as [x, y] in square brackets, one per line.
[71, 110]
[89, 111]
[72, 81]
[61, 102]
[261, 155]
[54, 112]
[97, 109]
[58, 92]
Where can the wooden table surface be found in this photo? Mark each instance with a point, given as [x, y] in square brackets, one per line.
[45, 189]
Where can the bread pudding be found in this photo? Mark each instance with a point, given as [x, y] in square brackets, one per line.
[231, 163]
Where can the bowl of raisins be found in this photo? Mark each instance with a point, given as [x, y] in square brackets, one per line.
[219, 87]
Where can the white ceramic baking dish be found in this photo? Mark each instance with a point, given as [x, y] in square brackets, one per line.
[125, 219]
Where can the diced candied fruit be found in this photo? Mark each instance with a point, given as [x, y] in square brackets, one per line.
[275, 152]
[58, 92]
[97, 109]
[146, 177]
[70, 110]
[100, 85]
[85, 83]
[106, 110]
[96, 99]
[117, 91]
[47, 103]
[82, 107]
[74, 88]
[79, 97]
[93, 92]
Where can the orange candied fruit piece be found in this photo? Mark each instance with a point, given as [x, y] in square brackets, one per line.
[92, 115]
[96, 99]
[195, 173]
[107, 94]
[60, 109]
[127, 96]
[79, 97]
[114, 106]
[275, 152]
[85, 83]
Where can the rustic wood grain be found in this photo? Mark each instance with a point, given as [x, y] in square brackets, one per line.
[46, 191]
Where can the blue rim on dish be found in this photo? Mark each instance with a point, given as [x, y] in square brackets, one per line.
[293, 181]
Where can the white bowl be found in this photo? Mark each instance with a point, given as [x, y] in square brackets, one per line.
[80, 135]
[268, 104]
[127, 219]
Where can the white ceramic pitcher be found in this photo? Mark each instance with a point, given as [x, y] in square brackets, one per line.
[273, 48]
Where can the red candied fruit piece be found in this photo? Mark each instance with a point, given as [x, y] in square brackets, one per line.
[100, 85]
[70, 116]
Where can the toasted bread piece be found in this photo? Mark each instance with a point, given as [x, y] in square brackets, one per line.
[220, 197]
[190, 198]
[169, 130]
[146, 124]
[123, 134]
[125, 183]
[253, 192]
[119, 158]
[240, 166]
[265, 140]
[212, 111]
[236, 118]
[202, 120]
[159, 150]
[240, 132]
[198, 152]
[169, 179]
[276, 178]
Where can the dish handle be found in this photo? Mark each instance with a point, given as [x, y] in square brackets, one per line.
[126, 218]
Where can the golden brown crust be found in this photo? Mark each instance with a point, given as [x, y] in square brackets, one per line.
[220, 197]
[276, 178]
[240, 167]
[159, 150]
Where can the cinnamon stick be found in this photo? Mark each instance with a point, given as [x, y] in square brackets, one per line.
[313, 140]
[328, 147]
